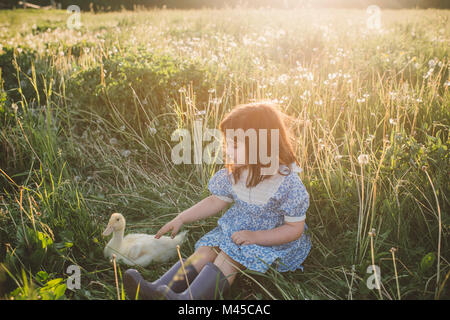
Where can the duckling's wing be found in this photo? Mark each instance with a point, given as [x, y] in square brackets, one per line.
[135, 244]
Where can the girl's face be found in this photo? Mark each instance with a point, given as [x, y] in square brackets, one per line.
[235, 152]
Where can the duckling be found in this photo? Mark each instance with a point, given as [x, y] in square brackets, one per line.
[138, 249]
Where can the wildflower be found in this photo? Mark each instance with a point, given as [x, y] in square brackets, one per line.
[393, 121]
[332, 76]
[283, 78]
[126, 153]
[151, 130]
[200, 113]
[182, 90]
[216, 101]
[113, 141]
[432, 63]
[363, 159]
[14, 107]
[370, 138]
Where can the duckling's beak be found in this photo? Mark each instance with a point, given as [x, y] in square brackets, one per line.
[108, 230]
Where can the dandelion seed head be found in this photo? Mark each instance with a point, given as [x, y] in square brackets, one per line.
[363, 159]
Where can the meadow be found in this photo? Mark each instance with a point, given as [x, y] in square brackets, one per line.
[86, 117]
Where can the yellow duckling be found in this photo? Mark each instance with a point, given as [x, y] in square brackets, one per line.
[138, 249]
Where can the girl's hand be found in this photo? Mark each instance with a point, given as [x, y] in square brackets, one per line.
[244, 237]
[174, 225]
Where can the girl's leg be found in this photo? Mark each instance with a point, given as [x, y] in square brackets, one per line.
[202, 256]
[228, 266]
[212, 281]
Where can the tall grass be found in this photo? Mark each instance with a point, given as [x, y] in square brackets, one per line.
[87, 117]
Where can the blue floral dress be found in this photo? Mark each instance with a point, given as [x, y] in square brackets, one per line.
[288, 200]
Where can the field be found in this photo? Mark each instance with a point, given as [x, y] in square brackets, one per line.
[86, 117]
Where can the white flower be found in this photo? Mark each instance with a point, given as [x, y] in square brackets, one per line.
[370, 138]
[393, 121]
[151, 130]
[363, 159]
[126, 153]
[200, 113]
[432, 63]
[113, 141]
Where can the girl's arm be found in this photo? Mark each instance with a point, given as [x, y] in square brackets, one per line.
[285, 233]
[203, 209]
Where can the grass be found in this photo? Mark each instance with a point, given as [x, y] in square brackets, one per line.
[87, 115]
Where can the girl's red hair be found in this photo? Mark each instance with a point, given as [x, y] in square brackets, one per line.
[259, 116]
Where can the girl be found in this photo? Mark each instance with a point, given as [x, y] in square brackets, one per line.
[264, 226]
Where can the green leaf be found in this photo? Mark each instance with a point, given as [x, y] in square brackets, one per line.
[60, 290]
[54, 282]
[68, 244]
[427, 261]
[42, 276]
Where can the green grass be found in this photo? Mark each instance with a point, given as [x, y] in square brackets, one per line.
[79, 110]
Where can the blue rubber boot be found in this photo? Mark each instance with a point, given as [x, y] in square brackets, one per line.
[209, 284]
[147, 290]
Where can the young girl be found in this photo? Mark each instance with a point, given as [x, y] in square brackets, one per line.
[264, 226]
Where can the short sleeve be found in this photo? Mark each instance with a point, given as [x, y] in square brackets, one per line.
[295, 200]
[220, 185]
